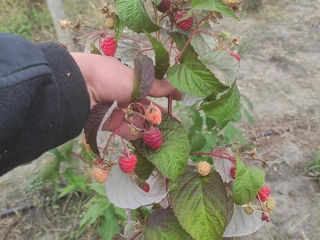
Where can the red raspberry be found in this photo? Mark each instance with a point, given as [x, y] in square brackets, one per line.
[100, 175]
[145, 186]
[153, 115]
[164, 5]
[185, 24]
[264, 193]
[109, 46]
[233, 172]
[153, 138]
[235, 55]
[128, 164]
[265, 216]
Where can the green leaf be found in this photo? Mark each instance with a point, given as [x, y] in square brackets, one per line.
[135, 16]
[119, 26]
[201, 205]
[66, 190]
[144, 167]
[232, 133]
[157, 2]
[162, 224]
[75, 180]
[249, 180]
[203, 43]
[192, 76]
[161, 56]
[98, 188]
[171, 158]
[216, 5]
[223, 109]
[197, 142]
[108, 226]
[223, 65]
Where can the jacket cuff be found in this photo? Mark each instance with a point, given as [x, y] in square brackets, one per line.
[74, 100]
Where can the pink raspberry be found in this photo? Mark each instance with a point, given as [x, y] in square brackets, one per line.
[128, 164]
[145, 186]
[164, 5]
[233, 172]
[109, 46]
[153, 138]
[265, 216]
[235, 55]
[264, 193]
[185, 24]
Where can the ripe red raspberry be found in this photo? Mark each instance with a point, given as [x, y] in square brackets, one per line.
[164, 5]
[185, 24]
[153, 138]
[265, 216]
[264, 193]
[100, 175]
[153, 115]
[109, 46]
[128, 164]
[145, 186]
[235, 55]
[233, 172]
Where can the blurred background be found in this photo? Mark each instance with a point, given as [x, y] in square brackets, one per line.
[279, 73]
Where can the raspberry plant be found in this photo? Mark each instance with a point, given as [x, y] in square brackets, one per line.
[199, 190]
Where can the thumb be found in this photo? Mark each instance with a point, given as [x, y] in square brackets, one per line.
[163, 88]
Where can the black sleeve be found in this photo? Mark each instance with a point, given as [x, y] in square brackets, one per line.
[44, 101]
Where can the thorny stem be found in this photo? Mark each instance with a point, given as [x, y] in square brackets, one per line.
[135, 40]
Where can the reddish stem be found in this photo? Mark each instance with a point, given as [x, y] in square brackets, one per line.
[170, 105]
[216, 154]
[137, 234]
[79, 157]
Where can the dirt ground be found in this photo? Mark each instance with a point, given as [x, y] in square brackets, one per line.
[280, 73]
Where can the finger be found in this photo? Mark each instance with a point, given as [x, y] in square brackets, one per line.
[162, 88]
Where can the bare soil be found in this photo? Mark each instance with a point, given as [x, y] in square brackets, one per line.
[280, 73]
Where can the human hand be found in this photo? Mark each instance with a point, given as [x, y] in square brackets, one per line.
[108, 79]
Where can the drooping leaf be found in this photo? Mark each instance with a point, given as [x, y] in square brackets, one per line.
[124, 192]
[161, 57]
[203, 43]
[191, 75]
[144, 167]
[162, 224]
[135, 16]
[171, 158]
[243, 224]
[249, 180]
[222, 64]
[224, 107]
[126, 51]
[144, 76]
[201, 204]
[216, 5]
[194, 78]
